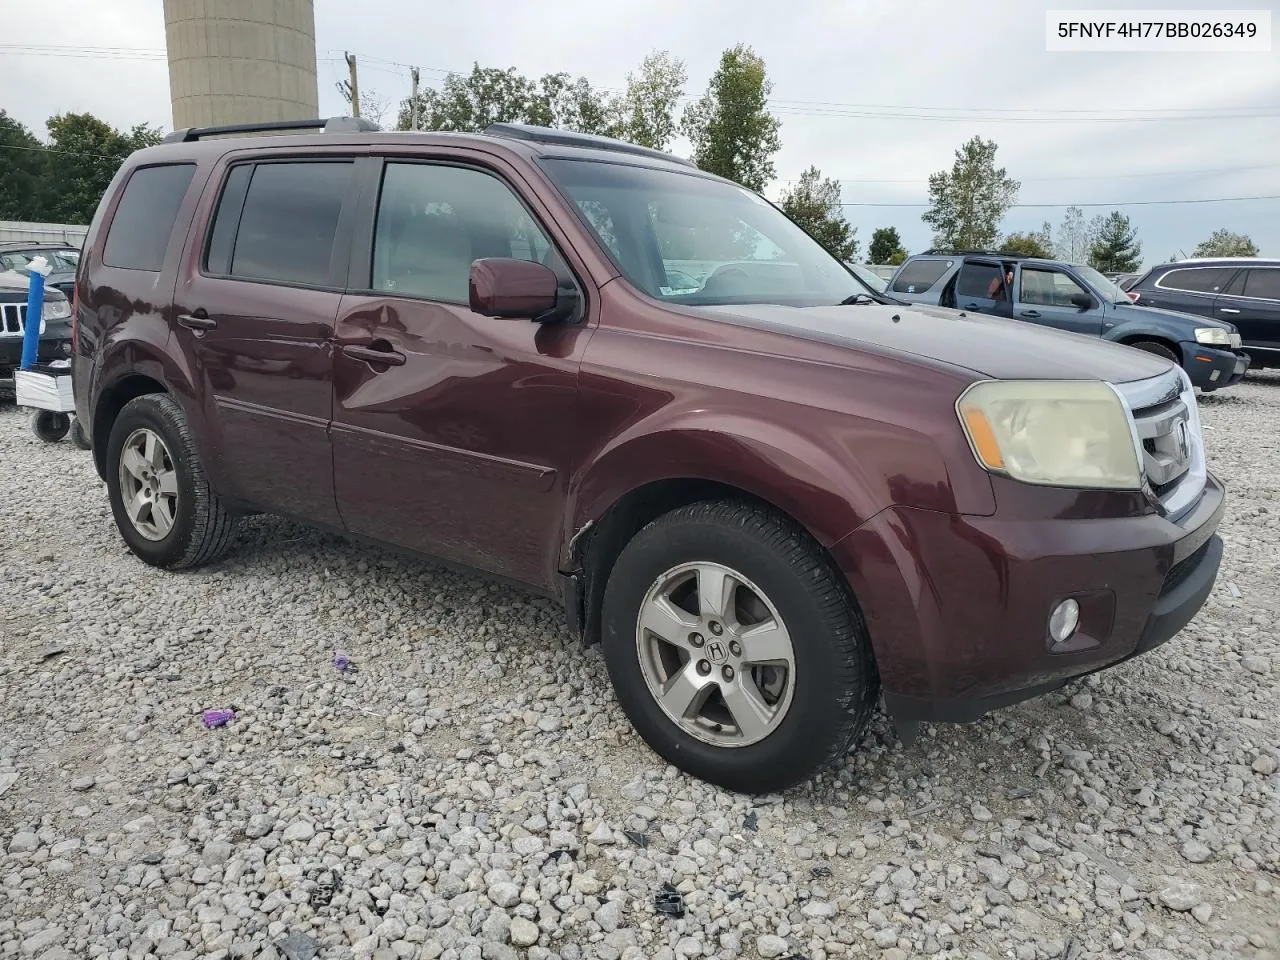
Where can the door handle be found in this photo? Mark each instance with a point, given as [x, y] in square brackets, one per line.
[972, 306]
[370, 354]
[1030, 314]
[1228, 310]
[198, 322]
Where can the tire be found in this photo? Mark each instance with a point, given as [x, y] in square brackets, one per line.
[186, 524]
[49, 425]
[1159, 349]
[77, 435]
[810, 719]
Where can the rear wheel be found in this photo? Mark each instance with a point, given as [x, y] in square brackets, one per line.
[735, 648]
[160, 496]
[1159, 349]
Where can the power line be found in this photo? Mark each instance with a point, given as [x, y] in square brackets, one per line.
[1118, 203]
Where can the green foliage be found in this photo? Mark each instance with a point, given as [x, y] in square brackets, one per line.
[968, 202]
[643, 114]
[84, 154]
[1116, 247]
[814, 203]
[1031, 244]
[886, 247]
[1224, 243]
[22, 162]
[733, 133]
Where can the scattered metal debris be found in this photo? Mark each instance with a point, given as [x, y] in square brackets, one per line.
[737, 895]
[820, 872]
[751, 821]
[639, 839]
[669, 901]
[555, 855]
[328, 882]
[1019, 793]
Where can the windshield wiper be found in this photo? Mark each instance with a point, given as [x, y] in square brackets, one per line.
[855, 298]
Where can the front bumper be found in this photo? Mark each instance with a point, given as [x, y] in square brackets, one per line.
[1211, 368]
[51, 348]
[958, 606]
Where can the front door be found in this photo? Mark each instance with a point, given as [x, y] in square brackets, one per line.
[255, 308]
[1044, 295]
[459, 444]
[1252, 303]
[983, 285]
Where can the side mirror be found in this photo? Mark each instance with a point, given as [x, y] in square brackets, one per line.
[513, 289]
[1082, 300]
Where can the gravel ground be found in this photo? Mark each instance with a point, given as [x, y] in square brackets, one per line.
[472, 791]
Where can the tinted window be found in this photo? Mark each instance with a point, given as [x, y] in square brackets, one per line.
[1263, 284]
[1050, 288]
[919, 275]
[289, 220]
[227, 219]
[435, 221]
[140, 230]
[1198, 280]
[981, 281]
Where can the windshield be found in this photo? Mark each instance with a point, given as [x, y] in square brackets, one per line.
[872, 280]
[686, 238]
[62, 261]
[1106, 288]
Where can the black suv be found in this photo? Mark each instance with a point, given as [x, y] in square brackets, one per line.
[1244, 291]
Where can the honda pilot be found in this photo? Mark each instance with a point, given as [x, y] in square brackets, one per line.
[596, 371]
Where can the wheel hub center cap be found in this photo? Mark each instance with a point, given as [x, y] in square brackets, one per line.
[717, 651]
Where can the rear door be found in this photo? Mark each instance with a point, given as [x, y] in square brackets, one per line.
[981, 286]
[1044, 296]
[255, 309]
[1187, 289]
[920, 280]
[461, 444]
[1252, 302]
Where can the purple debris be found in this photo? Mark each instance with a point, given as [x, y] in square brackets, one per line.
[343, 664]
[218, 718]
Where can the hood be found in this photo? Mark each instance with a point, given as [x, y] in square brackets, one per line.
[1137, 312]
[988, 346]
[12, 283]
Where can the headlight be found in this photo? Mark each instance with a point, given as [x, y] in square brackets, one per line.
[1213, 335]
[1061, 433]
[58, 309]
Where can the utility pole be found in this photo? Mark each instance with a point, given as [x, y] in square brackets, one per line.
[413, 99]
[355, 86]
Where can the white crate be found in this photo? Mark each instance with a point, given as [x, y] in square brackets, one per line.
[44, 391]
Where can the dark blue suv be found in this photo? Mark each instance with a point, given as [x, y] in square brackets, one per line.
[1075, 298]
[1244, 291]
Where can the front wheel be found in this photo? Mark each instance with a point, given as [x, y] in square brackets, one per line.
[735, 649]
[1159, 349]
[160, 497]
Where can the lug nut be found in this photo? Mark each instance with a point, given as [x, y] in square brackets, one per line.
[704, 667]
[735, 648]
[716, 628]
[696, 639]
[727, 673]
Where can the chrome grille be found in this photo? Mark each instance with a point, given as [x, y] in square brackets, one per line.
[1166, 424]
[13, 318]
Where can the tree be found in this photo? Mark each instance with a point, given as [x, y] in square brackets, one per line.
[1075, 237]
[814, 203]
[22, 165]
[886, 246]
[1224, 243]
[1028, 245]
[646, 111]
[373, 107]
[469, 103]
[1115, 246]
[567, 104]
[967, 203]
[84, 154]
[734, 135]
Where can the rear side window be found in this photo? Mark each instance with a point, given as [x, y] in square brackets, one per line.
[982, 281]
[919, 275]
[140, 231]
[1263, 284]
[287, 226]
[1197, 280]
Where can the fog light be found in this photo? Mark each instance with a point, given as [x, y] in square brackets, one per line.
[1064, 620]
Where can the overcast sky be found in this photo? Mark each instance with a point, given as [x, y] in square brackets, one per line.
[982, 61]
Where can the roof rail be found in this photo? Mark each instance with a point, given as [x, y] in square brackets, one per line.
[568, 138]
[949, 252]
[331, 125]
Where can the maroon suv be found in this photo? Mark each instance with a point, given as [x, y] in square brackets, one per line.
[596, 371]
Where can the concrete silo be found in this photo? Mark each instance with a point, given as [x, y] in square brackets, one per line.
[241, 61]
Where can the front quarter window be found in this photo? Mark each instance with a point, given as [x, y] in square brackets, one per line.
[687, 238]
